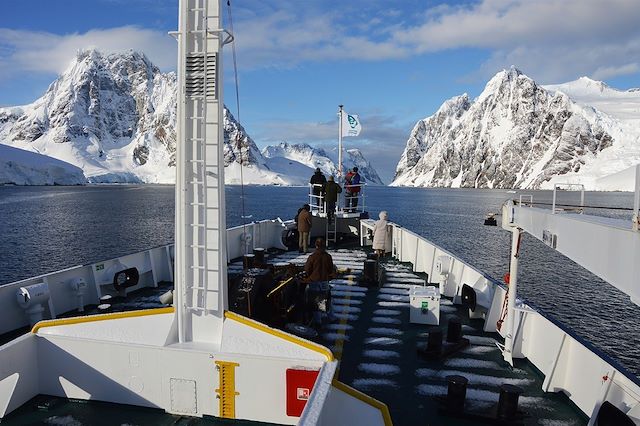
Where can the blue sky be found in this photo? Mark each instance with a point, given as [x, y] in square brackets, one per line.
[391, 62]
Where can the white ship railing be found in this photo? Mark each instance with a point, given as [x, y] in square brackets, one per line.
[318, 206]
[567, 187]
[154, 265]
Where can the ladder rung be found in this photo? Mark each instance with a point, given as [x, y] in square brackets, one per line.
[198, 267]
[197, 225]
[204, 289]
[196, 182]
[197, 246]
[212, 229]
[196, 139]
[196, 9]
[195, 308]
[196, 204]
[195, 161]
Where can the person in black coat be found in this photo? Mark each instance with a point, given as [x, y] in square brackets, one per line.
[318, 181]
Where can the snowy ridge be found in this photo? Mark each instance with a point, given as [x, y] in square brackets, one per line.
[20, 167]
[302, 159]
[114, 116]
[518, 134]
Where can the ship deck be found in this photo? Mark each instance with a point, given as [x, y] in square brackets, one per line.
[377, 348]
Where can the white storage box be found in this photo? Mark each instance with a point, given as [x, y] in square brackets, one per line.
[425, 305]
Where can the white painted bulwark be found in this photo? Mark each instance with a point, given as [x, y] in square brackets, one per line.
[19, 373]
[609, 248]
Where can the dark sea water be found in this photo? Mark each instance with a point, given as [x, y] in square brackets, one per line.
[44, 229]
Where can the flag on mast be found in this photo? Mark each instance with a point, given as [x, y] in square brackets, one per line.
[350, 125]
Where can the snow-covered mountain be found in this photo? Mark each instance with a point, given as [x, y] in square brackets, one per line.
[20, 167]
[518, 134]
[114, 116]
[303, 159]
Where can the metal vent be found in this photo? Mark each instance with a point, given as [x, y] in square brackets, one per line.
[200, 74]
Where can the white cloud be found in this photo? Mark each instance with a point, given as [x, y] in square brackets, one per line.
[537, 36]
[28, 51]
[551, 40]
[605, 72]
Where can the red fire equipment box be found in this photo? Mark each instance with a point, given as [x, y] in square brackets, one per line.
[299, 386]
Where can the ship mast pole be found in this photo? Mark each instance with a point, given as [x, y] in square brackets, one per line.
[340, 143]
[512, 294]
[200, 288]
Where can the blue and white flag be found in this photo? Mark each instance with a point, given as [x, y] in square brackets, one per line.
[350, 125]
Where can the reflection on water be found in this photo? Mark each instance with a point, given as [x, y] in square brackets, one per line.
[44, 229]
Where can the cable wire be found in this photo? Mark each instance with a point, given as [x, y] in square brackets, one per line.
[238, 140]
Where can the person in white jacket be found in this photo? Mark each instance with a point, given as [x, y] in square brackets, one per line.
[380, 234]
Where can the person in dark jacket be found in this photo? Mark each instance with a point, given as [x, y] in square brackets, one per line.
[331, 191]
[304, 227]
[319, 269]
[352, 189]
[318, 181]
[319, 265]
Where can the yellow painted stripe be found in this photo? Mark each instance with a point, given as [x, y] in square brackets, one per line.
[384, 410]
[341, 332]
[101, 317]
[280, 334]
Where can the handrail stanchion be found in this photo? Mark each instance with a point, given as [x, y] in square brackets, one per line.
[636, 201]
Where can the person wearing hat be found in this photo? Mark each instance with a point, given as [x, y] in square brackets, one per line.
[352, 189]
[318, 182]
[331, 191]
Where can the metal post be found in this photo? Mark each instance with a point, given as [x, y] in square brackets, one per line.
[513, 291]
[636, 201]
[553, 206]
[340, 144]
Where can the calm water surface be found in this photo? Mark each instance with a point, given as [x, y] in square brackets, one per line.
[44, 229]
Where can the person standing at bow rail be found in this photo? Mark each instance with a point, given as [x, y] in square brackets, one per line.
[352, 189]
[331, 192]
[318, 181]
[380, 234]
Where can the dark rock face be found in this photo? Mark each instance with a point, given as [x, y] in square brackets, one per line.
[515, 134]
[238, 145]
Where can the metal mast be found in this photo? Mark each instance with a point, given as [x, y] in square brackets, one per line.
[200, 240]
[340, 143]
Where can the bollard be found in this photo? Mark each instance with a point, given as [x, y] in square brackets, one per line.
[454, 330]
